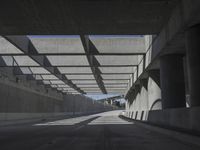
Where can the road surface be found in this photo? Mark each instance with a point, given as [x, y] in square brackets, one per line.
[105, 131]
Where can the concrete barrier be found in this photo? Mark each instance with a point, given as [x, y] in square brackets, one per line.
[183, 119]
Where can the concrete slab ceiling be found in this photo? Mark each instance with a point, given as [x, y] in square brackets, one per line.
[19, 17]
[76, 64]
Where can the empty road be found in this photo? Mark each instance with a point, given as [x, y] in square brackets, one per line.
[105, 131]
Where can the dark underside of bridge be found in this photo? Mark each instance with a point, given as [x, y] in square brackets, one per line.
[84, 16]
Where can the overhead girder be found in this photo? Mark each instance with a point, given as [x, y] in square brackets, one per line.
[25, 45]
[89, 47]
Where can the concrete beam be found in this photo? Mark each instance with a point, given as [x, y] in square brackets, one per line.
[26, 46]
[88, 47]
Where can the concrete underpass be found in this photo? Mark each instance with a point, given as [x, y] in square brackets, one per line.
[99, 75]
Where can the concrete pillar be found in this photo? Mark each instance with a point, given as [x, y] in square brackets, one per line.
[172, 81]
[193, 63]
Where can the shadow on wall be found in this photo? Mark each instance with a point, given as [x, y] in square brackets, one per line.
[134, 93]
[144, 98]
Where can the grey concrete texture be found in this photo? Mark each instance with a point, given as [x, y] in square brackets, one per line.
[147, 99]
[21, 118]
[182, 118]
[128, 45]
[171, 39]
[15, 99]
[7, 77]
[172, 81]
[178, 135]
[84, 17]
[105, 131]
[19, 102]
[82, 104]
[192, 44]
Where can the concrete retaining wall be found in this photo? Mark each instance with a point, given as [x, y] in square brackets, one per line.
[26, 101]
[79, 104]
[16, 98]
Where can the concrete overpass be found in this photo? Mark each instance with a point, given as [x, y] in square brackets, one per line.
[85, 17]
[52, 53]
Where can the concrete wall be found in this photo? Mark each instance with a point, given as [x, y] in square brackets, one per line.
[79, 104]
[147, 107]
[154, 95]
[181, 118]
[23, 100]
[148, 98]
[20, 99]
[26, 100]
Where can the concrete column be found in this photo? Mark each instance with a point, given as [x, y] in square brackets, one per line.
[172, 81]
[193, 63]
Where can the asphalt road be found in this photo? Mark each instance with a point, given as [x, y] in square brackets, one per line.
[105, 131]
